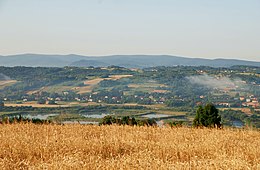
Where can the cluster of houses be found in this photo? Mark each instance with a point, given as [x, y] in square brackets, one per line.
[250, 101]
[243, 101]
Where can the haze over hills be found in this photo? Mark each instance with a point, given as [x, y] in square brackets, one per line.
[129, 61]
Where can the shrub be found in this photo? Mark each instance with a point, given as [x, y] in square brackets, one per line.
[207, 116]
[175, 124]
[126, 120]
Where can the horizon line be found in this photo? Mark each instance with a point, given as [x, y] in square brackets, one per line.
[109, 55]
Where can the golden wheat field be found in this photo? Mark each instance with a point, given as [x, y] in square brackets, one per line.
[30, 146]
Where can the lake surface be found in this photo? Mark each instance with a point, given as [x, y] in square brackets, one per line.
[154, 115]
[98, 116]
[81, 122]
[39, 116]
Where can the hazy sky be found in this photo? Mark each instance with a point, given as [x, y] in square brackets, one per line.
[193, 28]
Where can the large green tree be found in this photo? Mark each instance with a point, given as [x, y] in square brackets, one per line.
[207, 116]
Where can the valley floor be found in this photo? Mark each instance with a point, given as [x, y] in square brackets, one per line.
[30, 146]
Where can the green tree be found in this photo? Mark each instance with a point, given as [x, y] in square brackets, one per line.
[51, 102]
[207, 116]
[125, 120]
[41, 101]
[108, 120]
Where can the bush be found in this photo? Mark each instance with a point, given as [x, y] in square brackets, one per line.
[20, 119]
[126, 120]
[147, 122]
[207, 116]
[41, 101]
[175, 124]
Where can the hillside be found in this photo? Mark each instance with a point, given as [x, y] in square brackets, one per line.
[168, 93]
[29, 146]
[129, 61]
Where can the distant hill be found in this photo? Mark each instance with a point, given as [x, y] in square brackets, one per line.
[87, 63]
[129, 61]
[38, 60]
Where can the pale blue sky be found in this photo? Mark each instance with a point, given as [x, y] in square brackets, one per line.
[193, 28]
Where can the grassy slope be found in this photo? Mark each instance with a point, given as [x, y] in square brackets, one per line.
[114, 147]
[5, 83]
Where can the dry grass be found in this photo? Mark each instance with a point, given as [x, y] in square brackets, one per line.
[55, 88]
[29, 146]
[59, 104]
[256, 74]
[112, 77]
[160, 91]
[84, 89]
[5, 83]
[71, 104]
[90, 84]
[169, 112]
[117, 77]
[93, 81]
[245, 110]
[35, 104]
[148, 87]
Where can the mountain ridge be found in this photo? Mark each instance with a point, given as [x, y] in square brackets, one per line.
[129, 61]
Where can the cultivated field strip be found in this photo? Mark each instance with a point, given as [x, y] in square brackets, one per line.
[30, 146]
